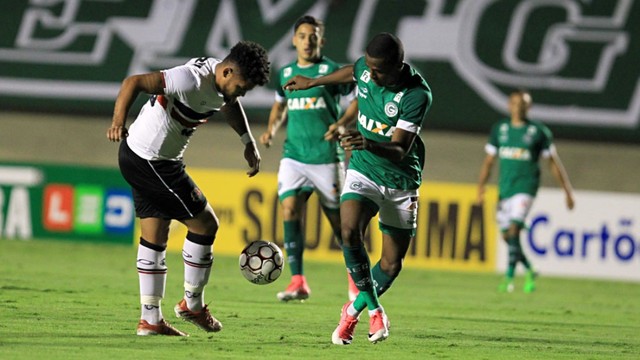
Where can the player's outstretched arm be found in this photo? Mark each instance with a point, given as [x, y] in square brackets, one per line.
[237, 119]
[252, 156]
[485, 174]
[277, 117]
[152, 83]
[558, 172]
[344, 75]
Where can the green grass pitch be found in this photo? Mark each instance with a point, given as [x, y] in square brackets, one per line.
[64, 300]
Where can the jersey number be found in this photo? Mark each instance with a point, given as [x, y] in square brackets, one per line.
[200, 62]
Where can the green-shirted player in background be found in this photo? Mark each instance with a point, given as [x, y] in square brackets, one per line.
[518, 143]
[385, 172]
[310, 163]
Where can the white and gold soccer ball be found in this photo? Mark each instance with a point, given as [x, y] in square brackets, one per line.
[261, 262]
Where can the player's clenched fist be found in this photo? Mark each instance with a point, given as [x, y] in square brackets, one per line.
[117, 133]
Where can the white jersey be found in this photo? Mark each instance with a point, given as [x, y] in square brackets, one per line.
[166, 122]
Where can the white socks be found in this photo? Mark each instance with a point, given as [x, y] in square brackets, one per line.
[152, 275]
[197, 267]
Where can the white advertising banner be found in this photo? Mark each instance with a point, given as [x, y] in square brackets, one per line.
[599, 238]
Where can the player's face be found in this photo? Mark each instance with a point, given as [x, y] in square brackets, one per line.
[383, 74]
[235, 85]
[308, 42]
[519, 104]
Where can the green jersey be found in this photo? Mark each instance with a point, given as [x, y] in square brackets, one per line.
[380, 111]
[309, 114]
[518, 149]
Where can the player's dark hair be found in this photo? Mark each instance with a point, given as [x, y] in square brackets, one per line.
[386, 46]
[308, 19]
[252, 60]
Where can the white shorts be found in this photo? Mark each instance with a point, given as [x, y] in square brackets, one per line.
[326, 180]
[513, 209]
[397, 208]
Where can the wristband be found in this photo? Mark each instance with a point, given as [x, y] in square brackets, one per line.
[246, 138]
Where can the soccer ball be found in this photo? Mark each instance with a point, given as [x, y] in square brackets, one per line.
[261, 262]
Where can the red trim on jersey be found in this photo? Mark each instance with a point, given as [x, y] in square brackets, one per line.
[162, 101]
[164, 84]
[184, 122]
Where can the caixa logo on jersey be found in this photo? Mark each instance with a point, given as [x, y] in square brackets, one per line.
[87, 209]
[577, 58]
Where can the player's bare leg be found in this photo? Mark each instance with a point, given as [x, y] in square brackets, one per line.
[334, 220]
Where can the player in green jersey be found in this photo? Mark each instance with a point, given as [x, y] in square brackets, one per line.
[309, 162]
[385, 172]
[518, 143]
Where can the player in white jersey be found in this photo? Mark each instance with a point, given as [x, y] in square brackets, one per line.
[150, 159]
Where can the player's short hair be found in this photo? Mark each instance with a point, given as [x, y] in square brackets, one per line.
[386, 46]
[308, 19]
[252, 60]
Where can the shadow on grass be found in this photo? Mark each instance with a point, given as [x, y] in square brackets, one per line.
[19, 288]
[533, 322]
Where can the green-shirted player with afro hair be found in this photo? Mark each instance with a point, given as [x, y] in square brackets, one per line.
[385, 172]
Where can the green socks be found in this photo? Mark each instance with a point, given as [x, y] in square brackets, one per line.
[513, 244]
[381, 281]
[516, 254]
[294, 245]
[358, 265]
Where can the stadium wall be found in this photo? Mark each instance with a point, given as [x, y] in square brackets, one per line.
[453, 233]
[599, 239]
